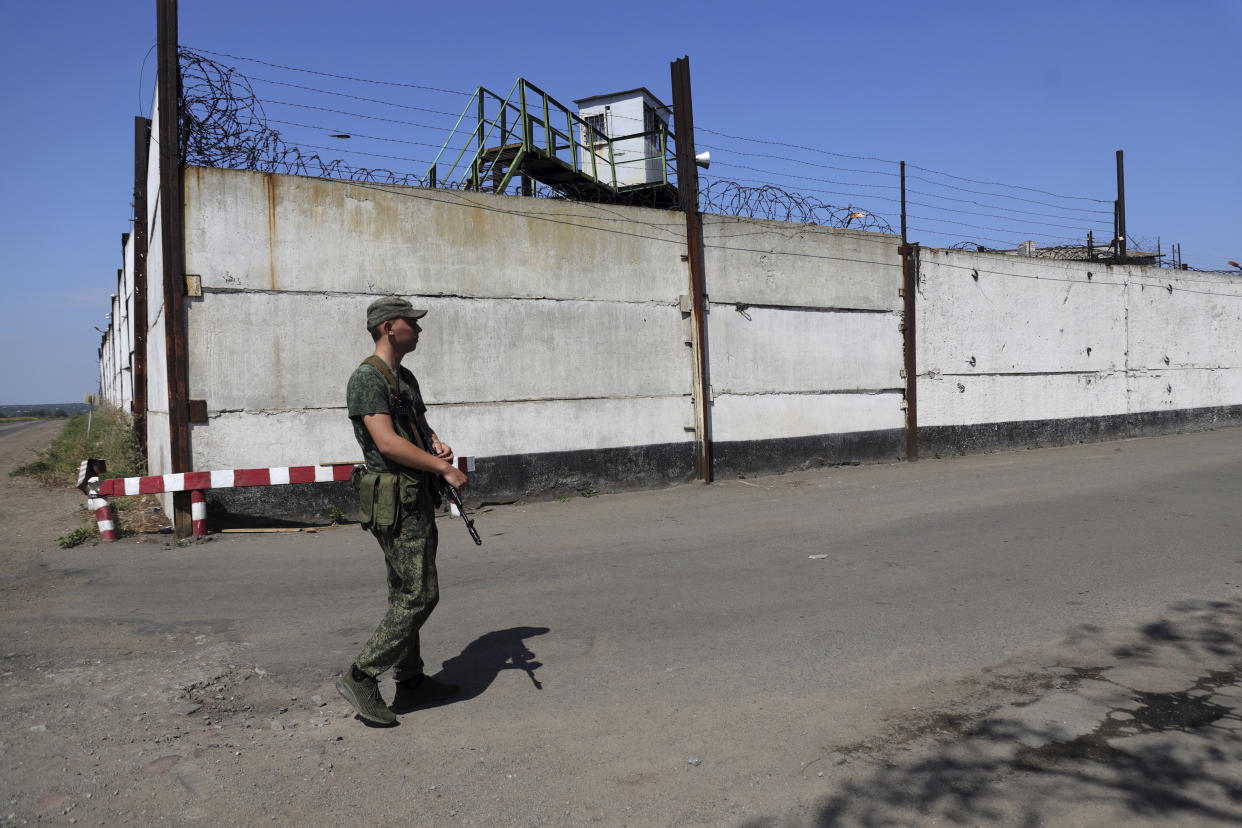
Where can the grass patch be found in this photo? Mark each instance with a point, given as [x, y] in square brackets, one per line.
[111, 438]
[79, 536]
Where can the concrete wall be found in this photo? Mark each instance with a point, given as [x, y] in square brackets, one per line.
[159, 438]
[805, 344]
[556, 350]
[116, 350]
[1014, 350]
[554, 327]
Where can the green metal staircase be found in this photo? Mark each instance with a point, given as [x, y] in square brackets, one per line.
[528, 136]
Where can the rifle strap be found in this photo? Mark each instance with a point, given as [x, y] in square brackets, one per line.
[378, 364]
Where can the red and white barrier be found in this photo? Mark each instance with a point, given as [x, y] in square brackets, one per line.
[88, 482]
[225, 479]
[97, 491]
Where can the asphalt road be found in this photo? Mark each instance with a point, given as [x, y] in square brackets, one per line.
[7, 429]
[1033, 637]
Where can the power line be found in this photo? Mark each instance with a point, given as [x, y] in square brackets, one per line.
[363, 152]
[1002, 195]
[329, 74]
[821, 151]
[354, 134]
[809, 178]
[359, 115]
[357, 97]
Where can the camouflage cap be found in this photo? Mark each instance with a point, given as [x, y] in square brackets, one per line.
[391, 307]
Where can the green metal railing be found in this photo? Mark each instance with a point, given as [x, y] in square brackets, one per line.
[526, 125]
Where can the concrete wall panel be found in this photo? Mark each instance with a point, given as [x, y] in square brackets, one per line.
[778, 416]
[1196, 324]
[249, 439]
[965, 400]
[1034, 316]
[1184, 388]
[258, 351]
[765, 350]
[760, 262]
[1012, 344]
[257, 439]
[159, 444]
[564, 425]
[272, 232]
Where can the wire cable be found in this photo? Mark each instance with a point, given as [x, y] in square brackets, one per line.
[328, 74]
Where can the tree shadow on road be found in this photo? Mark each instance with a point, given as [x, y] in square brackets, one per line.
[480, 663]
[1137, 752]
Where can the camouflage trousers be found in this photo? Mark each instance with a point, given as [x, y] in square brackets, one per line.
[413, 592]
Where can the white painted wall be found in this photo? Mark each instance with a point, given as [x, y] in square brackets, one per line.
[116, 349]
[556, 326]
[552, 327]
[1004, 339]
[803, 328]
[159, 436]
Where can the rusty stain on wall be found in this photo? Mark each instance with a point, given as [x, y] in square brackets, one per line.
[269, 182]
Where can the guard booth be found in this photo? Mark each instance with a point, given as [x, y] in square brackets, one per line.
[629, 125]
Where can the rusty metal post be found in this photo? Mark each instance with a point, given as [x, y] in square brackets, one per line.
[903, 203]
[909, 286]
[142, 137]
[909, 290]
[1121, 207]
[172, 202]
[688, 196]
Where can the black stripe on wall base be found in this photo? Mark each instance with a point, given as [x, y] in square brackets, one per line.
[294, 505]
[500, 479]
[794, 453]
[968, 439]
[549, 474]
[504, 479]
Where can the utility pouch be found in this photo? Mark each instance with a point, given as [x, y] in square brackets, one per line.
[414, 487]
[377, 498]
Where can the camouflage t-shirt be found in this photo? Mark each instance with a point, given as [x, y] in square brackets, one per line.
[368, 393]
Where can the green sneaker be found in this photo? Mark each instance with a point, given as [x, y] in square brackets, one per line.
[364, 696]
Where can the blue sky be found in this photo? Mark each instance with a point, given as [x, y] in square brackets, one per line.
[1032, 95]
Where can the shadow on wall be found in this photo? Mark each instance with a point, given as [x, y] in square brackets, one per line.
[1082, 740]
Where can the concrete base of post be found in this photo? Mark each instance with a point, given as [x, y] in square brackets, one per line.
[88, 482]
[104, 513]
[198, 513]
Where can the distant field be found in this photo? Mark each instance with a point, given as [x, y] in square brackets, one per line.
[40, 410]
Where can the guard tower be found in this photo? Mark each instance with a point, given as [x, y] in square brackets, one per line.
[630, 123]
[507, 144]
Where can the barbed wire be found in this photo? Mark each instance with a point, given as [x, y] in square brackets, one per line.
[223, 125]
[777, 204]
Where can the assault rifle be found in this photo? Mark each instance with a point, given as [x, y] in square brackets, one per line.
[450, 492]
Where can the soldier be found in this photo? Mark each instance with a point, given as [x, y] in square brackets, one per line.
[397, 497]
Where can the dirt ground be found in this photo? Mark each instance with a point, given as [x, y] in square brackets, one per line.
[626, 660]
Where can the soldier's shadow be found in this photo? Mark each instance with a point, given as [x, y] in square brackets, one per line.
[480, 663]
